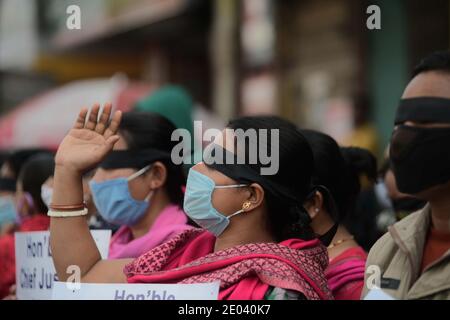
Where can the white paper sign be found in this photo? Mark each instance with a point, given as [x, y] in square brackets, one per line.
[91, 291]
[35, 272]
[377, 294]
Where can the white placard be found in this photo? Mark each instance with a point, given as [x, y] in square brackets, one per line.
[35, 272]
[378, 294]
[91, 291]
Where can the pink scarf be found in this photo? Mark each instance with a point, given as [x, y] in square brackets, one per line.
[170, 222]
[345, 274]
[245, 272]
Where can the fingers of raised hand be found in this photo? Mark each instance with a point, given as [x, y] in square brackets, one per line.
[79, 124]
[111, 130]
[103, 119]
[99, 124]
[93, 115]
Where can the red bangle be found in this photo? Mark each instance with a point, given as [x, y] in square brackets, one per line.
[75, 207]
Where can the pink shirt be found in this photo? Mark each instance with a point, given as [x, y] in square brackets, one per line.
[170, 222]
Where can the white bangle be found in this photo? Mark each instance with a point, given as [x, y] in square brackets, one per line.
[66, 214]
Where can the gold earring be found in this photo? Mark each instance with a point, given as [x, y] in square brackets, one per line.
[246, 205]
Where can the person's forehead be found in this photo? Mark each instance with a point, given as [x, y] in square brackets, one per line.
[429, 84]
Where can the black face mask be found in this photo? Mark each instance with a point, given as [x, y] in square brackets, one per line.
[420, 158]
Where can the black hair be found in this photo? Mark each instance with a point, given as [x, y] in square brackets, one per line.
[143, 130]
[3, 157]
[384, 169]
[18, 158]
[339, 169]
[436, 61]
[294, 173]
[33, 175]
[360, 162]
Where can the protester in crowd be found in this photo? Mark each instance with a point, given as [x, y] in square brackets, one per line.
[31, 213]
[256, 239]
[13, 163]
[9, 171]
[338, 178]
[7, 204]
[138, 188]
[413, 257]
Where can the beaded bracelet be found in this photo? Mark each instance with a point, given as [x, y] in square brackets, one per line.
[67, 214]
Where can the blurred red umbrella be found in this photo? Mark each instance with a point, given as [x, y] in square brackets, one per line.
[44, 120]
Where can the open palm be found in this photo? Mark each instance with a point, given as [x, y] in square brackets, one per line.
[88, 142]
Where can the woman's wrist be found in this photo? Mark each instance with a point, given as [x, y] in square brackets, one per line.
[68, 169]
[67, 186]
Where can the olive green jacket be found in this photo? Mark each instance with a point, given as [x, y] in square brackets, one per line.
[398, 254]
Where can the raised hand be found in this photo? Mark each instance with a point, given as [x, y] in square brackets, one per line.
[88, 142]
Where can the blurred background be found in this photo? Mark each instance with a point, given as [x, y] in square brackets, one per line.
[313, 62]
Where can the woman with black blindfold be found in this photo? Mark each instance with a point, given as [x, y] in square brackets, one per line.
[255, 237]
[136, 187]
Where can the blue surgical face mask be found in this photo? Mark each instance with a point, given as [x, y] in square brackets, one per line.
[7, 210]
[198, 205]
[115, 203]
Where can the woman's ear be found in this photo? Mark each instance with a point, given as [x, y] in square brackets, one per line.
[255, 197]
[314, 205]
[156, 177]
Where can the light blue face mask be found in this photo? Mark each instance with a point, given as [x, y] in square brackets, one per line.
[115, 203]
[198, 205]
[7, 210]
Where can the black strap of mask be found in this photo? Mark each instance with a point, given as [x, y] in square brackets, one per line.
[133, 159]
[7, 184]
[328, 236]
[423, 109]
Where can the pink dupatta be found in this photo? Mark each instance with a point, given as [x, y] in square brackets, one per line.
[345, 274]
[170, 222]
[245, 272]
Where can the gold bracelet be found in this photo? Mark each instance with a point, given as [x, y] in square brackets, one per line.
[67, 207]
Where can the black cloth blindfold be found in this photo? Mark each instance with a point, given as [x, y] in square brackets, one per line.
[244, 173]
[133, 159]
[7, 184]
[423, 109]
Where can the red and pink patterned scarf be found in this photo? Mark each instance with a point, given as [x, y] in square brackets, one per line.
[244, 271]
